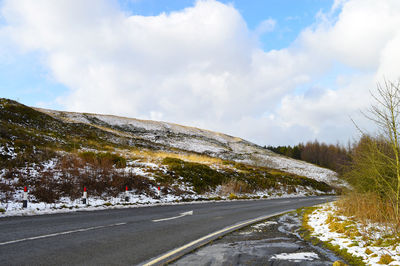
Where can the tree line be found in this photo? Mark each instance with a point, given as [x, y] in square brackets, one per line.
[330, 156]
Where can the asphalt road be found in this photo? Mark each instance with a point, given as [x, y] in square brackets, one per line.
[125, 236]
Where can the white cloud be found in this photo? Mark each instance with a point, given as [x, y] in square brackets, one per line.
[364, 36]
[265, 26]
[202, 66]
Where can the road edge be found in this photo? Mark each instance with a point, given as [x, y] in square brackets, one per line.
[176, 253]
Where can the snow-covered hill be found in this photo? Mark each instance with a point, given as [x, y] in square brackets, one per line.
[56, 155]
[191, 139]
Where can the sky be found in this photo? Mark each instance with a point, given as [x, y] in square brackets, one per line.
[275, 72]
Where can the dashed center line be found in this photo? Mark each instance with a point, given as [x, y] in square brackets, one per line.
[60, 233]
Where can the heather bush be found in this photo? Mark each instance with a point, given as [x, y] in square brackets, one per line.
[104, 160]
[6, 192]
[46, 188]
[236, 187]
[200, 176]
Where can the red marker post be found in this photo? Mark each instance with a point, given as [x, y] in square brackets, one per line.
[84, 198]
[25, 200]
[159, 191]
[126, 194]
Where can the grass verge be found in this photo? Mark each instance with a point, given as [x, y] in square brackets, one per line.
[306, 233]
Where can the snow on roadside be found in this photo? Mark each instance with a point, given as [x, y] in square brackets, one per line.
[296, 257]
[64, 205]
[356, 246]
[145, 169]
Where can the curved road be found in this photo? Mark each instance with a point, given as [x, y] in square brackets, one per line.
[125, 236]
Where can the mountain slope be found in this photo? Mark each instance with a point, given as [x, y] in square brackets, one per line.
[196, 140]
[55, 154]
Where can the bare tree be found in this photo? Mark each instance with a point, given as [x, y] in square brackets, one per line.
[385, 158]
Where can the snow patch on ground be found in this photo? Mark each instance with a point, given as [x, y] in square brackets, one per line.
[260, 226]
[296, 257]
[264, 224]
[8, 151]
[317, 220]
[304, 169]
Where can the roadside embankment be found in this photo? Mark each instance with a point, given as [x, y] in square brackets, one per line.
[358, 243]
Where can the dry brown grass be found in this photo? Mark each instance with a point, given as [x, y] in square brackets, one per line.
[235, 187]
[367, 208]
[158, 156]
[385, 259]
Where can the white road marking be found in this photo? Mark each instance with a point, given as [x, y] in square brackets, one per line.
[175, 251]
[175, 217]
[60, 233]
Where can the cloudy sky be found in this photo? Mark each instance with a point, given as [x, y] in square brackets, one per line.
[276, 72]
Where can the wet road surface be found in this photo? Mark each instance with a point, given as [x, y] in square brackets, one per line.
[272, 242]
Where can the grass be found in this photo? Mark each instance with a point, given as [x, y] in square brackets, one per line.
[339, 263]
[200, 176]
[157, 156]
[350, 228]
[238, 179]
[368, 208]
[385, 259]
[33, 134]
[103, 158]
[232, 196]
[368, 251]
[306, 232]
[236, 187]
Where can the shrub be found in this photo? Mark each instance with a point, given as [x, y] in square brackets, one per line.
[134, 182]
[69, 187]
[6, 192]
[339, 263]
[235, 186]
[232, 196]
[368, 251]
[46, 189]
[385, 259]
[105, 160]
[200, 176]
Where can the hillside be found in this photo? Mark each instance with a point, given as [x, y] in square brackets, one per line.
[57, 153]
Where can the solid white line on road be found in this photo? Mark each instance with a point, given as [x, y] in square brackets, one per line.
[60, 233]
[207, 237]
[175, 217]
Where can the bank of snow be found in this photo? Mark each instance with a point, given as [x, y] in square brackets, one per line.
[362, 244]
[14, 208]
